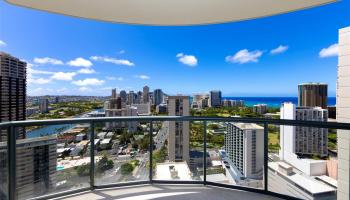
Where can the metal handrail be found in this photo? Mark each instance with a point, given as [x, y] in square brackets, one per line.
[317, 124]
[10, 126]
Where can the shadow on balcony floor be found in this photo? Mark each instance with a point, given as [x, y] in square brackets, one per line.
[168, 192]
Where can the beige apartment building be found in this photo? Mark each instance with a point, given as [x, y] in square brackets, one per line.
[343, 113]
[178, 140]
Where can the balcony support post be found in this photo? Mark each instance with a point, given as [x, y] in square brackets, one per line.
[266, 155]
[151, 151]
[92, 155]
[205, 152]
[11, 144]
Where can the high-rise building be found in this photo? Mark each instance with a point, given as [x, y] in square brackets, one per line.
[260, 108]
[197, 97]
[226, 103]
[123, 96]
[138, 97]
[244, 144]
[130, 98]
[215, 98]
[343, 114]
[114, 107]
[44, 105]
[313, 95]
[36, 157]
[178, 141]
[157, 97]
[145, 95]
[57, 99]
[200, 101]
[36, 166]
[237, 103]
[204, 103]
[114, 93]
[12, 92]
[301, 140]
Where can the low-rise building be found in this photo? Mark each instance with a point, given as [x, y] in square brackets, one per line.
[285, 179]
[105, 143]
[80, 137]
[173, 171]
[101, 135]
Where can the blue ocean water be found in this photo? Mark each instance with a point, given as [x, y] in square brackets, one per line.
[273, 101]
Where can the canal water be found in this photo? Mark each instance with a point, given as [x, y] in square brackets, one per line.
[53, 129]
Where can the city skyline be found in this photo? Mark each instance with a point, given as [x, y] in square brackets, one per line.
[75, 56]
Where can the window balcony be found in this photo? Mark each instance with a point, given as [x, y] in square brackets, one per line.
[131, 165]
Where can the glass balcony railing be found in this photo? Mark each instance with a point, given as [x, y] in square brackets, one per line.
[50, 158]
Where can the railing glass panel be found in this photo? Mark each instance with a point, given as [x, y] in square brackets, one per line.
[235, 153]
[178, 151]
[121, 152]
[3, 164]
[303, 161]
[51, 159]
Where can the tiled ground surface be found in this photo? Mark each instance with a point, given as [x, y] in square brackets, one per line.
[168, 192]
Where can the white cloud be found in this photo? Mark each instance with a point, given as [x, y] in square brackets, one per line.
[39, 81]
[144, 77]
[2, 43]
[84, 89]
[121, 51]
[112, 78]
[31, 71]
[189, 60]
[112, 60]
[63, 76]
[29, 64]
[279, 49]
[48, 60]
[39, 91]
[244, 56]
[86, 71]
[329, 51]
[80, 62]
[88, 81]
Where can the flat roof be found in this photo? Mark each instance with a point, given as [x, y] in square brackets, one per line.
[246, 125]
[313, 83]
[328, 180]
[308, 183]
[163, 171]
[106, 141]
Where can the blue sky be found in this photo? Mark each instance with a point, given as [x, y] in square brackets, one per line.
[262, 57]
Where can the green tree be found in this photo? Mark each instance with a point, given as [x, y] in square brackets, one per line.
[126, 168]
[83, 170]
[104, 164]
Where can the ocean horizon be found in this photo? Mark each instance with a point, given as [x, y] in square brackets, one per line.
[274, 102]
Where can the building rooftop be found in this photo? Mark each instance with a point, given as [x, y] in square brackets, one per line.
[163, 171]
[313, 83]
[328, 180]
[247, 126]
[308, 183]
[106, 141]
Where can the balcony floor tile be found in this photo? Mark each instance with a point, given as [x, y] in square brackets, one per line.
[168, 192]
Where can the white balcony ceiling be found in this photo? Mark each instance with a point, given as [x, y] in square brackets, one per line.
[169, 12]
